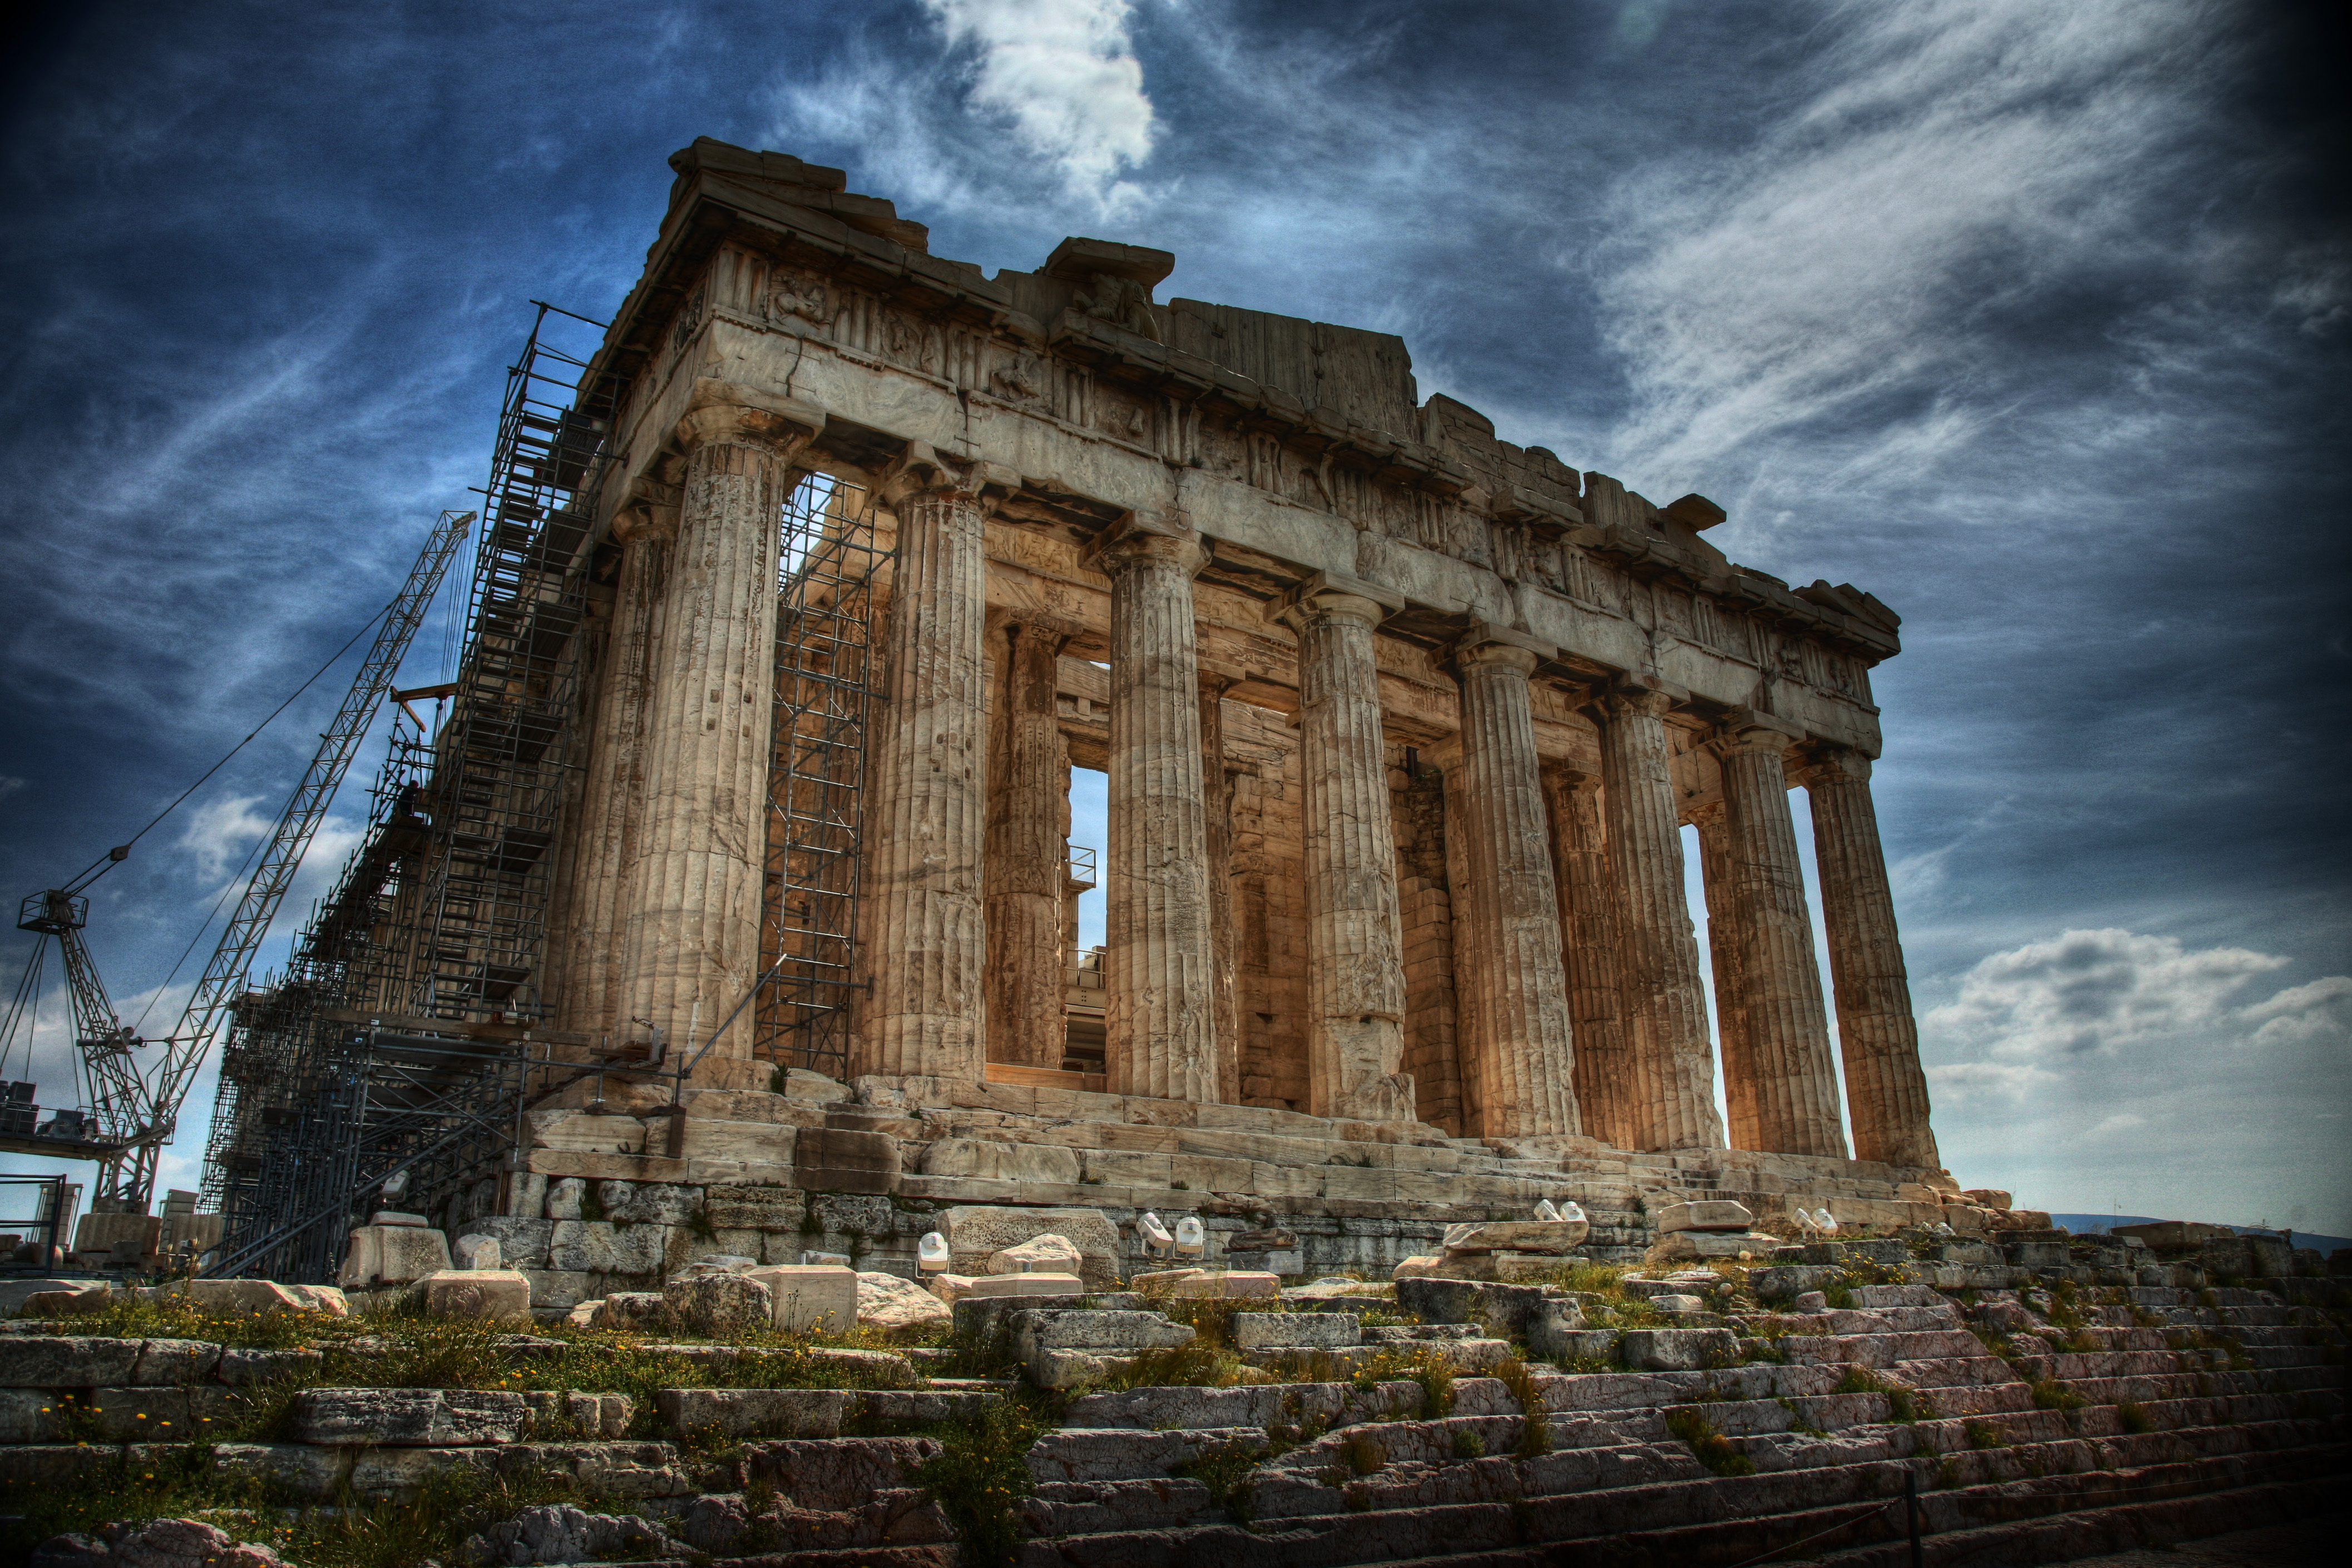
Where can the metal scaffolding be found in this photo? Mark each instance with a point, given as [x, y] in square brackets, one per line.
[827, 675]
[394, 1045]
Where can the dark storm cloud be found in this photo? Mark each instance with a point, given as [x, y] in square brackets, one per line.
[2030, 320]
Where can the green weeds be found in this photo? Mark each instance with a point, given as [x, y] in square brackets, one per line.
[1711, 1447]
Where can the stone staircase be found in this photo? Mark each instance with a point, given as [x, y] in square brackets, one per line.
[2030, 1426]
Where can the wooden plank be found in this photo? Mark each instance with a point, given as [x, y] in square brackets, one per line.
[1045, 1078]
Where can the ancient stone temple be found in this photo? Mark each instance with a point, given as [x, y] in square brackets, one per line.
[1402, 725]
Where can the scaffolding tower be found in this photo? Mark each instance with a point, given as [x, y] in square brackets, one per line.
[827, 675]
[396, 1042]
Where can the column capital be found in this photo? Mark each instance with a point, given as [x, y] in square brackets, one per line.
[649, 510]
[1621, 701]
[1487, 644]
[1331, 593]
[1568, 776]
[730, 414]
[1836, 764]
[1745, 731]
[922, 471]
[1165, 538]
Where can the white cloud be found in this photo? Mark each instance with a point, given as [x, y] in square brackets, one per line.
[219, 832]
[2094, 990]
[1939, 166]
[1063, 76]
[2305, 1015]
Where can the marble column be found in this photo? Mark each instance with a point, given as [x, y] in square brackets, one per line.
[924, 937]
[1218, 807]
[1159, 953]
[1604, 1079]
[1665, 1006]
[1028, 796]
[1786, 1027]
[1517, 1040]
[1355, 936]
[613, 795]
[1726, 949]
[1885, 1092]
[691, 947]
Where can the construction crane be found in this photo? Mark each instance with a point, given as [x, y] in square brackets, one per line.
[136, 1086]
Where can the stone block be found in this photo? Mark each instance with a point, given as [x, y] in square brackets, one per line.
[522, 1242]
[601, 1246]
[975, 1233]
[1505, 1310]
[2172, 1234]
[1690, 1246]
[1237, 1284]
[810, 1297]
[1161, 1279]
[1027, 1285]
[1987, 1197]
[1073, 1328]
[720, 1305]
[989, 1160]
[648, 1203]
[477, 1252]
[175, 1362]
[248, 1298]
[950, 1288]
[43, 1360]
[639, 1311]
[1677, 1350]
[242, 1368]
[754, 1412]
[1038, 1255]
[1294, 1331]
[1790, 1281]
[408, 1417]
[565, 1196]
[381, 1255]
[474, 1294]
[1880, 1296]
[1547, 1238]
[1420, 1267]
[558, 1287]
[832, 1159]
[1712, 1214]
[1551, 1325]
[888, 1303]
[301, 1471]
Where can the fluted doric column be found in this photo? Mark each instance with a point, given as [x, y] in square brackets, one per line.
[1726, 951]
[1604, 1079]
[925, 939]
[612, 795]
[1218, 807]
[1355, 938]
[691, 948]
[1517, 1040]
[1159, 948]
[1786, 1026]
[1665, 1008]
[1028, 807]
[1886, 1091]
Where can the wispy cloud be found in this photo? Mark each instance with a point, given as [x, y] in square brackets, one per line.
[1064, 76]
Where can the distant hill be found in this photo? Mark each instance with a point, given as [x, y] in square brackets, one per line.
[2100, 1224]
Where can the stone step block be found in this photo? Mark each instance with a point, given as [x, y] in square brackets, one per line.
[1059, 1508]
[1116, 1454]
[1940, 1318]
[1294, 1330]
[1330, 1405]
[409, 1417]
[1952, 1372]
[1883, 1349]
[832, 1475]
[115, 1415]
[741, 1413]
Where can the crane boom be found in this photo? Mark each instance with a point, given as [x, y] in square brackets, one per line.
[129, 1185]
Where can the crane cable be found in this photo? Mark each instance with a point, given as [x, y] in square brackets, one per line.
[120, 852]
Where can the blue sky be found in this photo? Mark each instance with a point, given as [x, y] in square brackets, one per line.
[2030, 320]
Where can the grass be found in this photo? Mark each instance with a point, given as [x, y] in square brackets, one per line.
[1197, 1365]
[1986, 1435]
[979, 1473]
[1711, 1447]
[2132, 1416]
[1902, 1405]
[181, 1482]
[1362, 1454]
[1222, 1470]
[1469, 1445]
[2050, 1393]
[1535, 1421]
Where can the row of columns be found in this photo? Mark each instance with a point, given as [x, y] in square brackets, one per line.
[1581, 1005]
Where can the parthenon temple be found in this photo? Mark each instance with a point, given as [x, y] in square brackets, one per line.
[801, 598]
[1401, 722]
